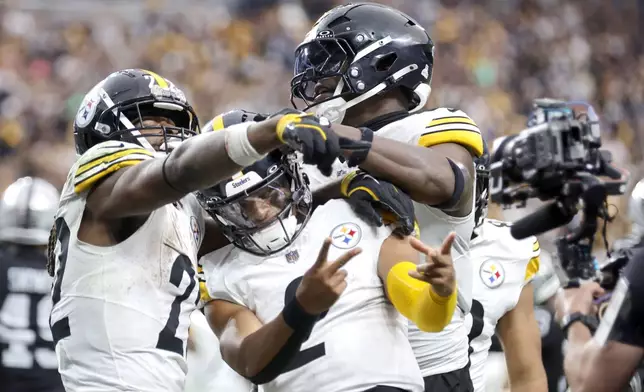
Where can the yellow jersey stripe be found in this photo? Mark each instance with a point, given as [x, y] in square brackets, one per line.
[451, 120]
[467, 138]
[109, 158]
[85, 185]
[532, 269]
[161, 82]
[203, 293]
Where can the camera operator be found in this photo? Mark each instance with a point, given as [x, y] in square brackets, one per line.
[606, 361]
[558, 159]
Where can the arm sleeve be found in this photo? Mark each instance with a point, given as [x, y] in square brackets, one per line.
[104, 159]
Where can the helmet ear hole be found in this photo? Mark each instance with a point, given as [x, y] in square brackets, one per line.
[384, 62]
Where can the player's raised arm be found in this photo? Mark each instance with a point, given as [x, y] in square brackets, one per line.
[432, 174]
[425, 293]
[261, 352]
[197, 163]
[141, 148]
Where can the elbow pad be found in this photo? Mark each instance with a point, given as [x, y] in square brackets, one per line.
[416, 300]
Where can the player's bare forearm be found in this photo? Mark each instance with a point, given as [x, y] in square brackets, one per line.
[519, 333]
[579, 352]
[197, 163]
[247, 345]
[327, 192]
[424, 173]
[202, 161]
[591, 367]
[260, 348]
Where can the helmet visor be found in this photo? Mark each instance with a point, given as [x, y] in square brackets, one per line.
[259, 207]
[317, 60]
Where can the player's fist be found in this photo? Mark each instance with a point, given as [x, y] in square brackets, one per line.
[323, 283]
[438, 268]
[377, 201]
[312, 136]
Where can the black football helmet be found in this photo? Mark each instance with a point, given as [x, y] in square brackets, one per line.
[117, 106]
[370, 48]
[482, 164]
[263, 208]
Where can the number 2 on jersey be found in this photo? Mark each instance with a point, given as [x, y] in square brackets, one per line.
[167, 339]
[310, 354]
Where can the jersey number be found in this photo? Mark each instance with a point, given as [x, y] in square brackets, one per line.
[60, 329]
[16, 314]
[312, 353]
[167, 339]
[477, 322]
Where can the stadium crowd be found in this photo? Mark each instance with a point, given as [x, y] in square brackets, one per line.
[493, 58]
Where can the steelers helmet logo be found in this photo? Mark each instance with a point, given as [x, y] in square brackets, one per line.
[492, 274]
[346, 235]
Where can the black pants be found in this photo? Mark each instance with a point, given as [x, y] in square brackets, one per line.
[455, 381]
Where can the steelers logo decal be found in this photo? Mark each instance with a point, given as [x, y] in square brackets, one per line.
[492, 274]
[87, 110]
[346, 235]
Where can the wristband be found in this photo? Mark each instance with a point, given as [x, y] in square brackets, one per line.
[238, 147]
[297, 318]
[569, 319]
[358, 157]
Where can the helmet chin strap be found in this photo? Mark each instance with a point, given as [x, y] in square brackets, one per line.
[277, 234]
[335, 108]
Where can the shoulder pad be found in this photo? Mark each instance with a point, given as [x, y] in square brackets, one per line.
[104, 159]
[446, 125]
[526, 251]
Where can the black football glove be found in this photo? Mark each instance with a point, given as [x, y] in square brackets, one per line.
[378, 202]
[313, 137]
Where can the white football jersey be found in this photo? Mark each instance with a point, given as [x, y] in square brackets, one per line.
[502, 266]
[447, 350]
[361, 342]
[121, 313]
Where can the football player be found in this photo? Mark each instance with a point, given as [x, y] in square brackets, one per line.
[27, 357]
[368, 68]
[503, 298]
[292, 319]
[127, 230]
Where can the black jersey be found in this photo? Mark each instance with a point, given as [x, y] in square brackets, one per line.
[27, 358]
